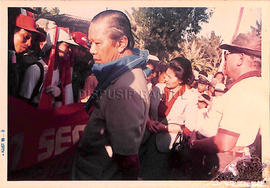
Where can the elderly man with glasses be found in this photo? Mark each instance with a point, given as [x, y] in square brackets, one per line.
[238, 134]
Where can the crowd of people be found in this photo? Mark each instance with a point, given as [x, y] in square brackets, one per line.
[35, 45]
[131, 137]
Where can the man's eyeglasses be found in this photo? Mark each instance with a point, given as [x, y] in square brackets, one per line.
[226, 53]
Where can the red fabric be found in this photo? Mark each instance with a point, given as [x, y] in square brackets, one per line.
[26, 22]
[46, 99]
[80, 38]
[165, 105]
[28, 13]
[38, 136]
[186, 130]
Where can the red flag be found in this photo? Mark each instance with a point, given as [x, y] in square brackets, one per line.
[46, 99]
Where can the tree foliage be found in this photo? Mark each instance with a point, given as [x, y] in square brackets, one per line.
[161, 29]
[257, 28]
[204, 53]
[45, 11]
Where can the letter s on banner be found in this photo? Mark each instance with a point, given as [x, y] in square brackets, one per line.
[45, 143]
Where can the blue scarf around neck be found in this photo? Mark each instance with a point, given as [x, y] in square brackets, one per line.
[108, 72]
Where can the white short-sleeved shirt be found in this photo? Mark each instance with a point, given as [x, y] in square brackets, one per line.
[243, 107]
[208, 122]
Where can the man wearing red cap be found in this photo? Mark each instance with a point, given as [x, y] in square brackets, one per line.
[21, 33]
[239, 127]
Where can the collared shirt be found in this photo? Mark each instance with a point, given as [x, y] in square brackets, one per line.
[243, 109]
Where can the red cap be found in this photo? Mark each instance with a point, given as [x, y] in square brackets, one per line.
[28, 23]
[80, 38]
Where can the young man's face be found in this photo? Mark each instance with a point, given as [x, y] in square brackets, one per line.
[22, 40]
[103, 48]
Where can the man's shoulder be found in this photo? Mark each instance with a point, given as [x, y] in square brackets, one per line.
[131, 79]
[244, 92]
[32, 72]
[250, 85]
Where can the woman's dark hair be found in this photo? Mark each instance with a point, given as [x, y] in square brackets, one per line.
[118, 24]
[182, 69]
[162, 67]
[223, 79]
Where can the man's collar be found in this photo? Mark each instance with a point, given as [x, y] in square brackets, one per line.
[244, 76]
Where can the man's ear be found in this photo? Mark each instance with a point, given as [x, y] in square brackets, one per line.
[122, 44]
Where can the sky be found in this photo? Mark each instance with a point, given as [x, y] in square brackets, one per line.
[223, 20]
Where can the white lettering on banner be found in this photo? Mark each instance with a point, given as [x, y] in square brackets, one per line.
[15, 148]
[45, 143]
[61, 137]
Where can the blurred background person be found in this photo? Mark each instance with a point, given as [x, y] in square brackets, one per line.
[152, 66]
[82, 66]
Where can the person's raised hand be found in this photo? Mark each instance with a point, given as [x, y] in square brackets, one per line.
[55, 91]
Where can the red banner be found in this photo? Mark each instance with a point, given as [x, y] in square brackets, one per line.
[42, 140]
